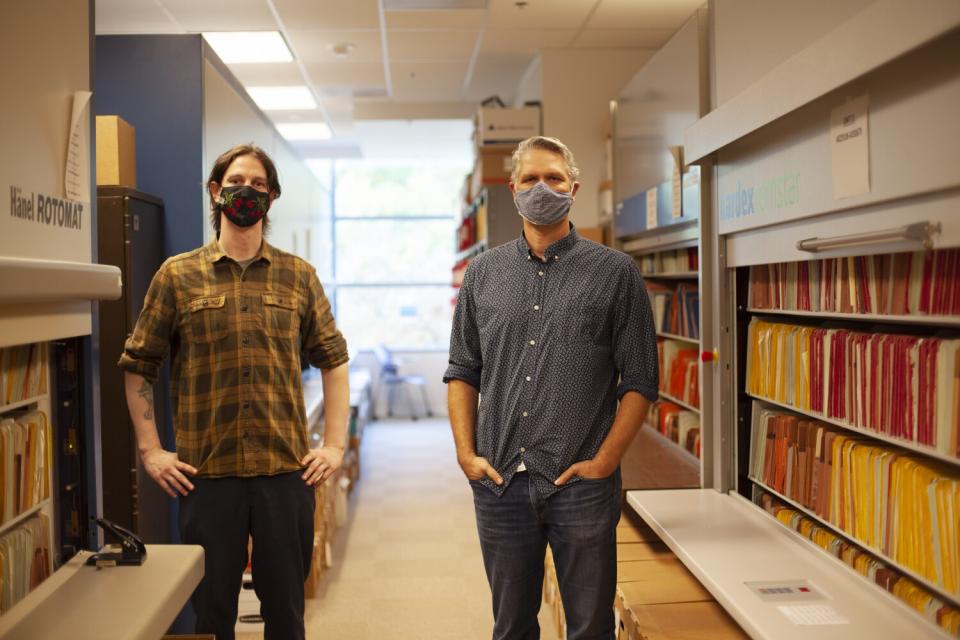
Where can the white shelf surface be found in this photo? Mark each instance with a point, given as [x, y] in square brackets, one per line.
[84, 603]
[669, 398]
[948, 321]
[673, 336]
[921, 449]
[21, 403]
[726, 542]
[679, 275]
[689, 457]
[13, 522]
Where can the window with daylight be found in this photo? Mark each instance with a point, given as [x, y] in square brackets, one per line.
[393, 230]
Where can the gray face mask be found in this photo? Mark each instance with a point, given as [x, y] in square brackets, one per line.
[543, 206]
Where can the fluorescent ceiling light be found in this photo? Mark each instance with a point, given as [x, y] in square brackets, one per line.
[304, 130]
[235, 47]
[282, 98]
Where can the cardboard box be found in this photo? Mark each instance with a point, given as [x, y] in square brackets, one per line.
[492, 166]
[633, 551]
[497, 124]
[116, 152]
[632, 529]
[597, 234]
[661, 581]
[685, 621]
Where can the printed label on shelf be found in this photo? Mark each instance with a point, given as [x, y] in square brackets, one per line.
[652, 208]
[812, 614]
[850, 148]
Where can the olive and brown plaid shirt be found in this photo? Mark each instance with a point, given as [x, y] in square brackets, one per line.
[235, 339]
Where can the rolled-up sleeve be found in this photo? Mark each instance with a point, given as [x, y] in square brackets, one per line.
[323, 343]
[148, 345]
[465, 355]
[635, 337]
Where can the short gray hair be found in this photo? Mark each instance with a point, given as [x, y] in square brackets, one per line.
[547, 144]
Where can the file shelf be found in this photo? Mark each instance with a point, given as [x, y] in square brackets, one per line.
[26, 372]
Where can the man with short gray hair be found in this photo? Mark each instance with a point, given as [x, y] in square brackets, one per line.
[551, 330]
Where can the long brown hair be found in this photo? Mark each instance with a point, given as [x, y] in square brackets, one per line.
[220, 168]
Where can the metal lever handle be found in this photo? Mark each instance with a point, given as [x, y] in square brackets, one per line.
[921, 232]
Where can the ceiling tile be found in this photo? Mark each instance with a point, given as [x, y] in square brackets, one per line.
[555, 14]
[277, 75]
[329, 14]
[524, 41]
[434, 19]
[132, 16]
[345, 74]
[431, 45]
[425, 81]
[221, 15]
[312, 45]
[623, 38]
[643, 14]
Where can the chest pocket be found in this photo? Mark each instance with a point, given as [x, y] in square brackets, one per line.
[280, 315]
[589, 323]
[208, 319]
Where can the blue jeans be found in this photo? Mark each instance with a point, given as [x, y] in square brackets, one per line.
[580, 524]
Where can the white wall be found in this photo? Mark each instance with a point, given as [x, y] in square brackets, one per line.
[230, 119]
[530, 87]
[751, 37]
[578, 85]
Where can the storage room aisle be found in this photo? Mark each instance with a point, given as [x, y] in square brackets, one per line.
[410, 564]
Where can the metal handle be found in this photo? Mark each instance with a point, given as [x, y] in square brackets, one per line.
[921, 232]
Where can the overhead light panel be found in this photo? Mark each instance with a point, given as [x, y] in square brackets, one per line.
[304, 130]
[239, 47]
[282, 98]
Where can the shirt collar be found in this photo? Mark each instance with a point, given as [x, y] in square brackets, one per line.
[554, 251]
[214, 252]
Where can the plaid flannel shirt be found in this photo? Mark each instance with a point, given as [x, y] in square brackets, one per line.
[235, 339]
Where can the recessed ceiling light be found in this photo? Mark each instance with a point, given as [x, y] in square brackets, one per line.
[304, 130]
[236, 47]
[282, 98]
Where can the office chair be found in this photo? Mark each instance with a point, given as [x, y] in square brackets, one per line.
[396, 384]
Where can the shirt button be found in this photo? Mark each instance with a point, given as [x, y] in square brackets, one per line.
[536, 307]
[533, 342]
[523, 449]
[243, 307]
[245, 341]
[525, 414]
[246, 405]
[528, 378]
[246, 373]
[556, 257]
[540, 273]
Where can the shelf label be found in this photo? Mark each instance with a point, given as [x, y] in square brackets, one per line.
[850, 148]
[652, 208]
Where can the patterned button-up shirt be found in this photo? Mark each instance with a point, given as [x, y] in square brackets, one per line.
[551, 345]
[235, 338]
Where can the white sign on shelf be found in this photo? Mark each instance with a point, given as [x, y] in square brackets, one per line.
[850, 148]
[676, 182]
[652, 208]
[76, 174]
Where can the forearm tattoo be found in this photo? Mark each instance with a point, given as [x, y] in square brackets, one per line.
[146, 392]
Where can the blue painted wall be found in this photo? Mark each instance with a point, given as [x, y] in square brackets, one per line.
[155, 82]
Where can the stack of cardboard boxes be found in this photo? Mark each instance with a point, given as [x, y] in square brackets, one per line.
[657, 598]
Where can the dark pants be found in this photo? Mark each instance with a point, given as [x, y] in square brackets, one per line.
[580, 524]
[277, 511]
